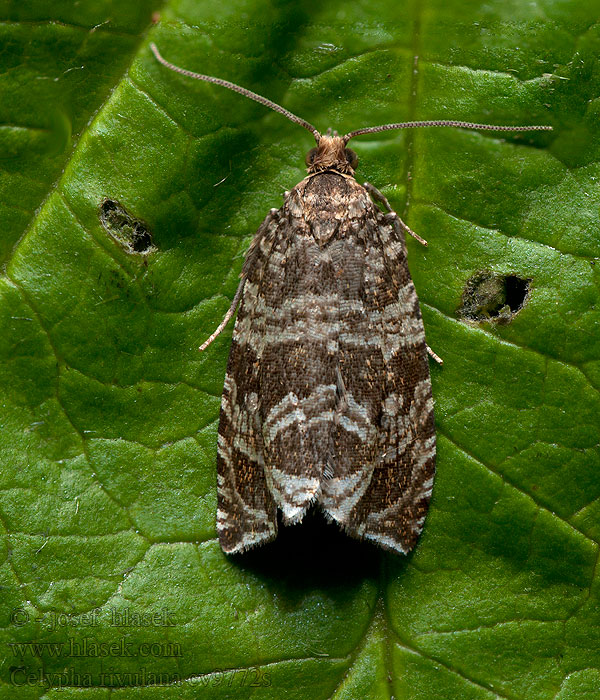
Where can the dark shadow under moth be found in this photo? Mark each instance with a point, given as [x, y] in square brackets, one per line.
[327, 398]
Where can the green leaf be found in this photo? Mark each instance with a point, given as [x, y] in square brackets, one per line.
[109, 413]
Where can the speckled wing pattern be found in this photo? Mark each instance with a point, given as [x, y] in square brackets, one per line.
[327, 397]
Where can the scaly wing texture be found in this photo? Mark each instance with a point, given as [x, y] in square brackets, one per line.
[246, 512]
[298, 367]
[327, 396]
[385, 440]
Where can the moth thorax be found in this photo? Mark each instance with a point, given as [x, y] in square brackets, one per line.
[331, 154]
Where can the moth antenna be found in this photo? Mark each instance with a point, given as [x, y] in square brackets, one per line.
[236, 88]
[227, 317]
[442, 122]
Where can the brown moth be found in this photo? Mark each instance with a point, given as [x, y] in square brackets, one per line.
[327, 397]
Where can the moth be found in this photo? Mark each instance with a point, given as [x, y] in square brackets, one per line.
[327, 399]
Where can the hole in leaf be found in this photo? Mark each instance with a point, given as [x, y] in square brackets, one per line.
[130, 233]
[489, 296]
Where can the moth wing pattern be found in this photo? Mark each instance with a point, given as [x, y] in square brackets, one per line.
[327, 398]
[246, 511]
[387, 501]
[300, 364]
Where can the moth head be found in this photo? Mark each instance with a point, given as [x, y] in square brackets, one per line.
[331, 153]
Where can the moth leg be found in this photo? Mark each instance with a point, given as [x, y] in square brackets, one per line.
[433, 356]
[392, 216]
[240, 290]
[228, 315]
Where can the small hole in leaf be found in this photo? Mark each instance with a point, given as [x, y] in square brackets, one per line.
[130, 233]
[517, 290]
[489, 296]
[142, 240]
